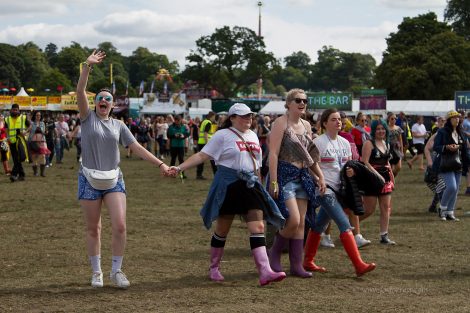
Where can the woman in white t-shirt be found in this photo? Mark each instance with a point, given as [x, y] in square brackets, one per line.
[100, 139]
[335, 151]
[236, 190]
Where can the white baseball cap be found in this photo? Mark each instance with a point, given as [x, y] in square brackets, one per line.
[239, 109]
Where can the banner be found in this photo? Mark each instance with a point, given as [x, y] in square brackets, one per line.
[22, 101]
[121, 105]
[373, 92]
[374, 102]
[324, 100]
[38, 101]
[462, 100]
[6, 99]
[70, 102]
[54, 100]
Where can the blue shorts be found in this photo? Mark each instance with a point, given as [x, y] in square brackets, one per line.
[294, 189]
[87, 192]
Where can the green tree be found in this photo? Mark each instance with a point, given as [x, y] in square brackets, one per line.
[144, 65]
[299, 60]
[35, 64]
[337, 70]
[432, 67]
[229, 60]
[11, 65]
[51, 54]
[457, 13]
[69, 59]
[53, 78]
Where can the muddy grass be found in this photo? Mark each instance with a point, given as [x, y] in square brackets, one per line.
[44, 267]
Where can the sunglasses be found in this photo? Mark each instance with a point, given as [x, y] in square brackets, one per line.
[299, 100]
[106, 98]
[246, 116]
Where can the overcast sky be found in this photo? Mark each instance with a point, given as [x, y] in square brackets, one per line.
[171, 27]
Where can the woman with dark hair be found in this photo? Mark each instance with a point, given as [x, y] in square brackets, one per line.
[376, 155]
[292, 154]
[335, 151]
[449, 144]
[35, 140]
[236, 190]
[100, 180]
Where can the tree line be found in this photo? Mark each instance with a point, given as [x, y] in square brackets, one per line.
[424, 59]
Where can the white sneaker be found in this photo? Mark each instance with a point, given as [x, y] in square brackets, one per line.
[97, 280]
[119, 279]
[326, 241]
[361, 241]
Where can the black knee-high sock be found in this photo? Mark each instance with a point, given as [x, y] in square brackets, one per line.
[435, 200]
[218, 241]
[257, 240]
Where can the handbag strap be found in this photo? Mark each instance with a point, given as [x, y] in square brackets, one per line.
[252, 154]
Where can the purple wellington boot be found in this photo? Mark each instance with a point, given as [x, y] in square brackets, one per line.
[296, 248]
[276, 251]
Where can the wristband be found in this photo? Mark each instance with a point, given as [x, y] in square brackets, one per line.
[90, 67]
[274, 183]
[161, 164]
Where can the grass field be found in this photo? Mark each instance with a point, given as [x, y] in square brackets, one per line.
[44, 266]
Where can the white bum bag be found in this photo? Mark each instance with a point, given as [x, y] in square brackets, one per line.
[101, 180]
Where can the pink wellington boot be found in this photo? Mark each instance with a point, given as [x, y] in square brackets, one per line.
[266, 274]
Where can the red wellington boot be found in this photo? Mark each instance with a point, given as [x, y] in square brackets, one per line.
[349, 244]
[310, 250]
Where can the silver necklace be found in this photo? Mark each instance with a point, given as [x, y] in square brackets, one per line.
[336, 150]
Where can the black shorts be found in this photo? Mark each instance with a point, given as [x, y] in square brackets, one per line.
[239, 199]
[419, 148]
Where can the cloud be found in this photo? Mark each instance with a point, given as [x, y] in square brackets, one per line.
[147, 24]
[30, 8]
[414, 4]
[310, 39]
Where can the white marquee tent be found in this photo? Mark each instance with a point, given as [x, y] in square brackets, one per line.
[410, 107]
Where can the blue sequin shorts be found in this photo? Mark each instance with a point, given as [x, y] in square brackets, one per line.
[87, 192]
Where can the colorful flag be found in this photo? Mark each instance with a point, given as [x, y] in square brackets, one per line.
[141, 88]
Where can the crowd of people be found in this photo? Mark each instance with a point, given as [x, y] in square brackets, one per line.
[297, 172]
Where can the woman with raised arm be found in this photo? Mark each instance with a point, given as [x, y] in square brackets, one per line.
[292, 154]
[100, 181]
[236, 190]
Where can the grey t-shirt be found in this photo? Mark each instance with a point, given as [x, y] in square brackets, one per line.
[100, 141]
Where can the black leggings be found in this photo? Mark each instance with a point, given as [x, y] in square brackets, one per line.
[176, 152]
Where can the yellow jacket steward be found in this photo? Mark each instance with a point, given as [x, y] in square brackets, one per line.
[202, 139]
[15, 124]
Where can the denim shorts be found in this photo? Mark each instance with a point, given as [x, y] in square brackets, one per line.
[294, 189]
[87, 192]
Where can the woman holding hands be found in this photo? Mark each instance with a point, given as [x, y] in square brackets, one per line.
[100, 181]
[236, 190]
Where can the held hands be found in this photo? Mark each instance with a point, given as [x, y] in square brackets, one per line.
[164, 170]
[173, 171]
[96, 57]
